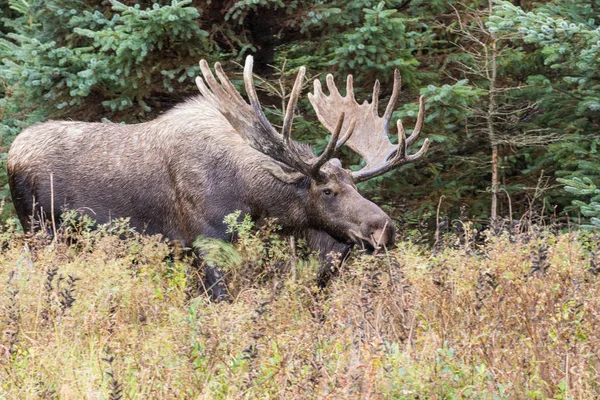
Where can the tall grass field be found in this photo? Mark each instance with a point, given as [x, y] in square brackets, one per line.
[107, 313]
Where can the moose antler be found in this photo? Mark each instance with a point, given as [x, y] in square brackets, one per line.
[370, 138]
[252, 124]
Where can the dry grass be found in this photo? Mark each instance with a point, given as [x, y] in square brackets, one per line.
[108, 317]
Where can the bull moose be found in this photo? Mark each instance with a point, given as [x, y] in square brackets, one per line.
[181, 173]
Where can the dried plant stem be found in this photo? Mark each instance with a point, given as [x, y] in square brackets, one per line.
[12, 320]
[437, 224]
[52, 206]
[116, 388]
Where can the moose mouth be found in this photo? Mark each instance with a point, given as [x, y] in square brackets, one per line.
[370, 245]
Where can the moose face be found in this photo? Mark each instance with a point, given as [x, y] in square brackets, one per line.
[336, 206]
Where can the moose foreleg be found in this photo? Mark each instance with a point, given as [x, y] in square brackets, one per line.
[214, 284]
[332, 255]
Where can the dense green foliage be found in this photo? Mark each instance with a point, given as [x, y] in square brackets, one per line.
[585, 187]
[522, 79]
[561, 47]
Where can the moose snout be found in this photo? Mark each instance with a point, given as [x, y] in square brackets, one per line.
[382, 233]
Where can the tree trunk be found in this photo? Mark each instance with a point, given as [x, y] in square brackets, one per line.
[495, 183]
[492, 74]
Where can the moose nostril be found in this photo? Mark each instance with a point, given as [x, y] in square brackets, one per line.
[383, 234]
[379, 236]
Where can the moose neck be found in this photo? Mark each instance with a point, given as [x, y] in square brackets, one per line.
[271, 198]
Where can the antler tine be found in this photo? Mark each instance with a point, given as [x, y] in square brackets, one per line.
[331, 146]
[210, 80]
[333, 90]
[401, 153]
[375, 101]
[317, 88]
[393, 99]
[347, 135]
[202, 83]
[204, 89]
[227, 85]
[291, 107]
[420, 118]
[349, 88]
[251, 92]
[419, 153]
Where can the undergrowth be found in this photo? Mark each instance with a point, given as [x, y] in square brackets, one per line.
[103, 313]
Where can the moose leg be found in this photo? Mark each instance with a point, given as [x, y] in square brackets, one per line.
[205, 279]
[214, 284]
[332, 252]
[331, 263]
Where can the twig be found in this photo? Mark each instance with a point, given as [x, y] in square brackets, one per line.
[437, 223]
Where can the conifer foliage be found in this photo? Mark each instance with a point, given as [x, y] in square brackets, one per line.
[128, 61]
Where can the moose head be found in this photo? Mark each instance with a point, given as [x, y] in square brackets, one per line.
[333, 202]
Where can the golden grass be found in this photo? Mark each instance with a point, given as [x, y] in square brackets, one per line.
[517, 317]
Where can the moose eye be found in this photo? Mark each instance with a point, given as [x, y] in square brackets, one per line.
[327, 192]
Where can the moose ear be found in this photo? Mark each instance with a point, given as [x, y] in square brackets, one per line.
[277, 170]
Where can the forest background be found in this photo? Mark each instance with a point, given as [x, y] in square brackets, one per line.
[512, 87]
